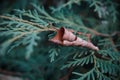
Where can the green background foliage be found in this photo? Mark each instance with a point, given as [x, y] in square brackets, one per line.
[27, 25]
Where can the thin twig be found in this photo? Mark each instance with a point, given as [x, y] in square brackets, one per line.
[21, 20]
[98, 33]
[25, 33]
[9, 72]
[102, 34]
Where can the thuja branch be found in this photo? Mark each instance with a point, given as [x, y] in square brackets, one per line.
[40, 28]
[43, 28]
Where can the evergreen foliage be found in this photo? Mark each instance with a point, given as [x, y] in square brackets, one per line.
[26, 51]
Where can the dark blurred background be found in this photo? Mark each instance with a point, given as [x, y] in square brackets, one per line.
[8, 5]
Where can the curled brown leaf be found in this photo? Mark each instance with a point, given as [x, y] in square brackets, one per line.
[67, 38]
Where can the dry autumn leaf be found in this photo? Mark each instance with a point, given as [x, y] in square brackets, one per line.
[67, 38]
